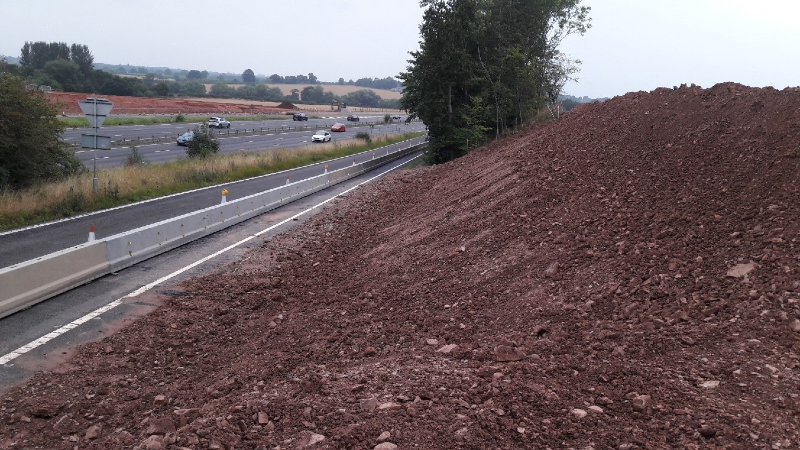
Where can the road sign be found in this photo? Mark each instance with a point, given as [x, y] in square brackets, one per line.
[103, 142]
[96, 110]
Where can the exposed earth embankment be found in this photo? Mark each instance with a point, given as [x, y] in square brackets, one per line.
[627, 277]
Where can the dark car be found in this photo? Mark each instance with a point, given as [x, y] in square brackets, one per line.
[353, 118]
[300, 116]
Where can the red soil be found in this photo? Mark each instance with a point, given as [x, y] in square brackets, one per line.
[140, 105]
[627, 277]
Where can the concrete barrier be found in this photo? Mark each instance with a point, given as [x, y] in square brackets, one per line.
[25, 284]
[28, 283]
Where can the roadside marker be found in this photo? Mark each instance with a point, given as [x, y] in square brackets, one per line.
[91, 232]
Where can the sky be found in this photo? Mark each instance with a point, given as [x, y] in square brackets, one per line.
[633, 45]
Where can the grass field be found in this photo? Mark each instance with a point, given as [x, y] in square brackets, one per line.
[129, 184]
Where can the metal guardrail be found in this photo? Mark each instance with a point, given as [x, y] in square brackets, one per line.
[36, 280]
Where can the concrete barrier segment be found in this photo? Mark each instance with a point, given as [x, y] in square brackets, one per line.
[23, 285]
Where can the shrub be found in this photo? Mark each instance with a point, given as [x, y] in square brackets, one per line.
[180, 118]
[203, 144]
[364, 135]
[134, 158]
[387, 118]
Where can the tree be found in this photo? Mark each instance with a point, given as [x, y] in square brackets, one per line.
[275, 78]
[312, 78]
[37, 54]
[161, 89]
[484, 67]
[66, 73]
[80, 55]
[194, 75]
[203, 144]
[248, 76]
[31, 151]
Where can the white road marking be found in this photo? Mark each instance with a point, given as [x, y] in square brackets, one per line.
[8, 357]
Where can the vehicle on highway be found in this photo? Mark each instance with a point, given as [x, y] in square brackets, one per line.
[396, 117]
[338, 127]
[300, 116]
[185, 138]
[321, 136]
[352, 118]
[218, 122]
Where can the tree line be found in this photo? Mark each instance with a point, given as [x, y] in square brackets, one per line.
[70, 68]
[485, 67]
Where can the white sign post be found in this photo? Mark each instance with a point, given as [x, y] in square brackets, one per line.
[96, 110]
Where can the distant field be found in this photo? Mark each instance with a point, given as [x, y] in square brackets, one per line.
[337, 89]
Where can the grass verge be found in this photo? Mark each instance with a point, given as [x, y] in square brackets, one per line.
[79, 122]
[130, 184]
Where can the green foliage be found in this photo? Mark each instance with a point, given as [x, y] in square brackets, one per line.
[364, 136]
[204, 144]
[31, 151]
[484, 68]
[134, 157]
[180, 118]
[248, 76]
[387, 118]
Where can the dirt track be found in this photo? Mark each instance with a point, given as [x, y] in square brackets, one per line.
[625, 278]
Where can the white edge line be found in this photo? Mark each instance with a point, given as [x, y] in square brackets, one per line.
[5, 359]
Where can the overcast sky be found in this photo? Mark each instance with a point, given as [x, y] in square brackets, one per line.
[633, 44]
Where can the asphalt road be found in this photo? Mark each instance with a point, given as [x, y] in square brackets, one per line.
[28, 243]
[242, 135]
[163, 271]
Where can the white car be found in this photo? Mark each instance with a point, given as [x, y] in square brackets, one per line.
[218, 122]
[321, 136]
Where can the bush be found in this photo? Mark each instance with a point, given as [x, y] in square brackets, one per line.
[180, 118]
[365, 136]
[203, 144]
[387, 118]
[134, 158]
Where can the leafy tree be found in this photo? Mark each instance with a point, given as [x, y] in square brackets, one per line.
[341, 80]
[248, 76]
[66, 73]
[161, 89]
[37, 54]
[203, 144]
[80, 55]
[312, 78]
[194, 75]
[484, 67]
[316, 95]
[222, 90]
[31, 151]
[275, 78]
[363, 97]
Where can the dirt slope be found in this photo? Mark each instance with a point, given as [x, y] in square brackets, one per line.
[625, 278]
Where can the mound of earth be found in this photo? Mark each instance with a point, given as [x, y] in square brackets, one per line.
[68, 105]
[627, 277]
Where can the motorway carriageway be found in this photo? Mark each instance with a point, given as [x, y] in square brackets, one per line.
[24, 244]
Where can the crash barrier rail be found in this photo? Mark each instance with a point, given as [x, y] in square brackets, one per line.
[246, 132]
[25, 284]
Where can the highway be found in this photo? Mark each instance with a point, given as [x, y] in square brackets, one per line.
[254, 135]
[49, 331]
[28, 243]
